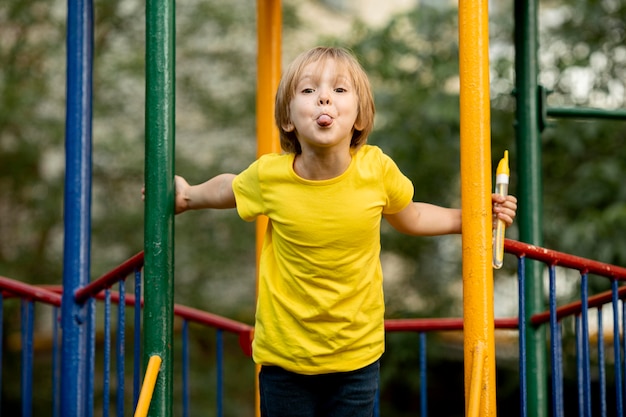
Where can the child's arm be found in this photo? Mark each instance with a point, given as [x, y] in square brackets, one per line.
[422, 219]
[216, 193]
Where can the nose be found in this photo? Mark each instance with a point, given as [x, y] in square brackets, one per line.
[324, 97]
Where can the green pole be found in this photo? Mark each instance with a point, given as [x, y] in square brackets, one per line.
[528, 140]
[159, 199]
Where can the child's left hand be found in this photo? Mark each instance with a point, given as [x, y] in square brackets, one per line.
[504, 208]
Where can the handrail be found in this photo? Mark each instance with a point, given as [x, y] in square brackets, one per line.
[552, 257]
[29, 292]
[575, 308]
[190, 314]
[440, 324]
[110, 278]
[148, 386]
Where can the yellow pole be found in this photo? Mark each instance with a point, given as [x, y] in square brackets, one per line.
[476, 200]
[269, 41]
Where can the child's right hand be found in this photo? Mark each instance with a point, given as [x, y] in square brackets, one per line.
[181, 201]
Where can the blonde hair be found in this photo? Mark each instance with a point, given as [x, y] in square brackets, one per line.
[287, 89]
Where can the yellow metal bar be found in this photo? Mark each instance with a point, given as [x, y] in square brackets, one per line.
[269, 30]
[476, 197]
[269, 42]
[149, 380]
[473, 408]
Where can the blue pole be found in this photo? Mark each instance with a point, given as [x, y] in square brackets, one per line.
[137, 339]
[121, 347]
[106, 384]
[616, 350]
[219, 353]
[554, 347]
[75, 360]
[423, 376]
[28, 313]
[601, 364]
[586, 360]
[521, 274]
[185, 365]
[56, 359]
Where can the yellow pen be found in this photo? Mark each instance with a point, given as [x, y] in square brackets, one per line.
[502, 188]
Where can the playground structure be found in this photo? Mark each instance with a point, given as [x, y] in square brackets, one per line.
[78, 295]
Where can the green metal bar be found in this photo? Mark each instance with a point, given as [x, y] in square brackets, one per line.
[159, 198]
[528, 128]
[586, 113]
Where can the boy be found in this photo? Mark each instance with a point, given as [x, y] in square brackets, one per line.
[319, 330]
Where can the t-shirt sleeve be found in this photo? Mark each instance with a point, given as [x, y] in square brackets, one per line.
[247, 189]
[398, 187]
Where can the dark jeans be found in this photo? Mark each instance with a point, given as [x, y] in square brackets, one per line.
[342, 394]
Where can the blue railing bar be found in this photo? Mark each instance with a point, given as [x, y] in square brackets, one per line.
[554, 344]
[107, 353]
[423, 377]
[560, 367]
[1, 340]
[121, 346]
[56, 362]
[90, 355]
[580, 365]
[586, 362]
[616, 349]
[601, 364]
[185, 365]
[219, 353]
[521, 276]
[137, 339]
[624, 352]
[27, 329]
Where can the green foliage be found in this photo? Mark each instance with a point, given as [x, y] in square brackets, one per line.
[584, 161]
[413, 65]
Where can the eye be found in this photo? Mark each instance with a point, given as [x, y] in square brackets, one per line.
[340, 90]
[307, 90]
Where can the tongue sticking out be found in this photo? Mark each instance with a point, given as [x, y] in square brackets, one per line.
[324, 120]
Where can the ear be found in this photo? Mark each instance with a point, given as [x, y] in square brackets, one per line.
[288, 127]
[358, 123]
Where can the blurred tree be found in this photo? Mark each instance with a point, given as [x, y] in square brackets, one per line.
[583, 60]
[413, 66]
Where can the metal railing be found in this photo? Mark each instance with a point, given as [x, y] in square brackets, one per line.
[573, 317]
[101, 291]
[578, 311]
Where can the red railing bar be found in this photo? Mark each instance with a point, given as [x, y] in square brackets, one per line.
[187, 313]
[29, 292]
[201, 317]
[109, 279]
[555, 258]
[575, 307]
[244, 331]
[440, 324]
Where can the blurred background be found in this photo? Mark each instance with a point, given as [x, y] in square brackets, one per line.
[410, 50]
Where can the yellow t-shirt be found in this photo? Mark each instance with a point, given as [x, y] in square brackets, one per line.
[320, 302]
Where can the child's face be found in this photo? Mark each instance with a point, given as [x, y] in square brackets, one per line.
[324, 108]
